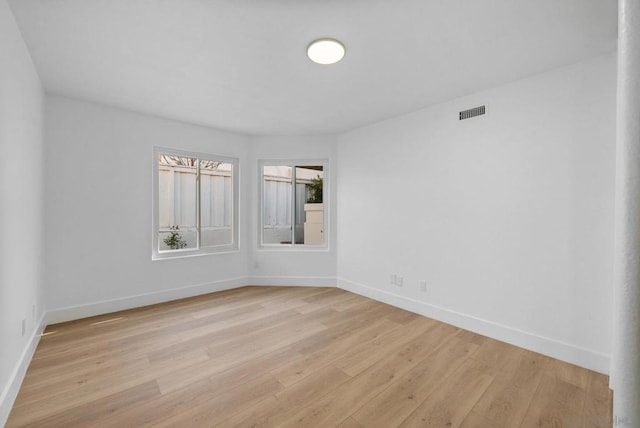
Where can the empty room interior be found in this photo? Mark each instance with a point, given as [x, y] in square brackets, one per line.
[320, 213]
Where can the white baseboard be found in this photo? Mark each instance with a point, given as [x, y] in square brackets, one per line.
[301, 281]
[70, 313]
[75, 312]
[10, 392]
[577, 355]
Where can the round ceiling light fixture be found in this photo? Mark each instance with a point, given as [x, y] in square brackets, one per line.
[325, 51]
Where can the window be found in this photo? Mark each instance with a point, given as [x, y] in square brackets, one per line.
[293, 207]
[195, 203]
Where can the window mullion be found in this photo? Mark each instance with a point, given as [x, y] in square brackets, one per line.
[198, 238]
[293, 205]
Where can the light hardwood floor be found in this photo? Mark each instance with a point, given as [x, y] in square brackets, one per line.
[287, 356]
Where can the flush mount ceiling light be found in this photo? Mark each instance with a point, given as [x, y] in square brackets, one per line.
[325, 51]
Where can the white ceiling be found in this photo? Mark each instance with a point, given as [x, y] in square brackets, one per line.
[241, 65]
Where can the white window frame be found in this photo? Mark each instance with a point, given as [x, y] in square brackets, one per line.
[325, 246]
[235, 192]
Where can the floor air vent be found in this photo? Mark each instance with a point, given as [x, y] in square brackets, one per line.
[472, 112]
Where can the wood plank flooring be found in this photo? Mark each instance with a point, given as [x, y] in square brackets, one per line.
[295, 357]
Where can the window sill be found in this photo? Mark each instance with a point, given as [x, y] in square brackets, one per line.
[279, 248]
[189, 254]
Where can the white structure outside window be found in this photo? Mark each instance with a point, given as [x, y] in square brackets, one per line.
[195, 203]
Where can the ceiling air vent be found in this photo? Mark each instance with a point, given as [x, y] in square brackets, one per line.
[472, 112]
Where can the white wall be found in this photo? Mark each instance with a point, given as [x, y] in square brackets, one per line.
[301, 266]
[508, 217]
[21, 207]
[98, 222]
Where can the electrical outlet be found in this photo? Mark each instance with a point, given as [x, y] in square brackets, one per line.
[423, 286]
[395, 279]
[24, 326]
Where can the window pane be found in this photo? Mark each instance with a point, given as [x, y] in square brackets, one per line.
[216, 203]
[309, 205]
[277, 184]
[176, 203]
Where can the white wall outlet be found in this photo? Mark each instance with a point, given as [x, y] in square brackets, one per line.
[24, 326]
[395, 279]
[423, 286]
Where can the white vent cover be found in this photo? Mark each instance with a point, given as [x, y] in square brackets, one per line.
[473, 112]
